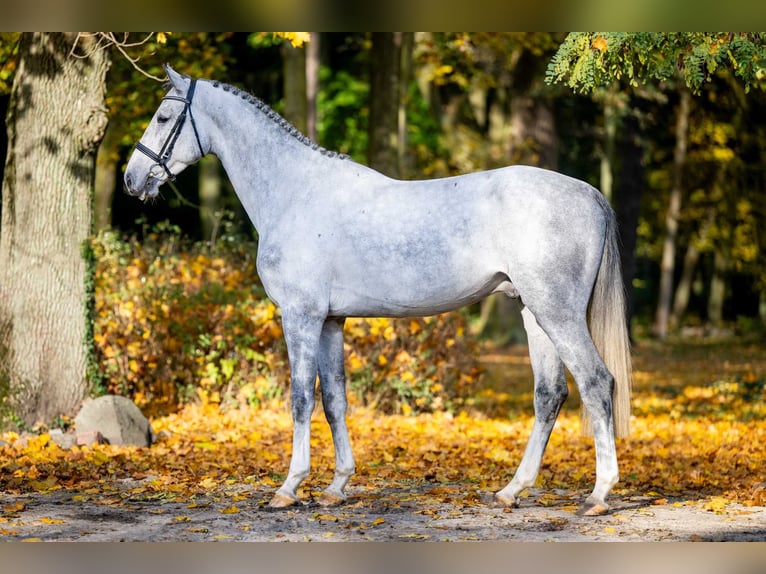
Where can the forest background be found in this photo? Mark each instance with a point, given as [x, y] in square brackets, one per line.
[178, 312]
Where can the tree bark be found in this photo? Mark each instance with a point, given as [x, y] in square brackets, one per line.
[294, 63]
[312, 84]
[717, 293]
[534, 140]
[56, 120]
[385, 75]
[691, 258]
[106, 179]
[667, 266]
[406, 50]
[210, 186]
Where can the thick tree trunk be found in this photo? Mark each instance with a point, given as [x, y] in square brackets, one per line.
[385, 75]
[667, 265]
[56, 120]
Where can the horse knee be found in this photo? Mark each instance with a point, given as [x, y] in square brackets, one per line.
[335, 406]
[302, 405]
[549, 398]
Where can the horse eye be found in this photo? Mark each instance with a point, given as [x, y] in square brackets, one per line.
[162, 119]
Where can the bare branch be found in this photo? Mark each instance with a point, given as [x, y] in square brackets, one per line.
[108, 39]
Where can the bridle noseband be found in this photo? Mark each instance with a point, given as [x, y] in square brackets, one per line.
[166, 150]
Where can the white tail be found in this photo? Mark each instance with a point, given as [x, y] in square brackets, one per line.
[609, 329]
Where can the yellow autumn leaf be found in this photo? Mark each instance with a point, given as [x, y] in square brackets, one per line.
[208, 483]
[52, 521]
[229, 510]
[297, 39]
[716, 504]
[378, 521]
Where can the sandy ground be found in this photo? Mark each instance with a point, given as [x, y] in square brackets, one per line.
[456, 514]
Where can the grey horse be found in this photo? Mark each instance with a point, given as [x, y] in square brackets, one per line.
[338, 239]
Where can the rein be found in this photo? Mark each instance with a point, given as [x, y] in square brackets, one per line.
[166, 150]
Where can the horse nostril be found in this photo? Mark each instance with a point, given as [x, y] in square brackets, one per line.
[128, 183]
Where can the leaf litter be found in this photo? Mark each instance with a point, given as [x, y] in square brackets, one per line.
[693, 469]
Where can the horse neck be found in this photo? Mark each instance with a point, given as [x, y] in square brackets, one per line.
[269, 167]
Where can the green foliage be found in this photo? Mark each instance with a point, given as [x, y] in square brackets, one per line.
[9, 43]
[343, 104]
[176, 321]
[587, 60]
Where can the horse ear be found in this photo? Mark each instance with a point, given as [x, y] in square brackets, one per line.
[175, 78]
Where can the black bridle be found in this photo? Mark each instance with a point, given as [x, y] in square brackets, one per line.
[166, 150]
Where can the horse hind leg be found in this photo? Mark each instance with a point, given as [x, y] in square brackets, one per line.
[332, 380]
[596, 385]
[550, 393]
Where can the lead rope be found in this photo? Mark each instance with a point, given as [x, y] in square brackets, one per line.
[180, 197]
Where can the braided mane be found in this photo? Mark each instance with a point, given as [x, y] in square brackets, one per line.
[264, 108]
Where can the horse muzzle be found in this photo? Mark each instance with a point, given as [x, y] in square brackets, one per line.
[145, 192]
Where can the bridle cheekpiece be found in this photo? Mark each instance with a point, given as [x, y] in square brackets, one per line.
[166, 150]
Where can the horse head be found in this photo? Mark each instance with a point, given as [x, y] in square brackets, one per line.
[170, 142]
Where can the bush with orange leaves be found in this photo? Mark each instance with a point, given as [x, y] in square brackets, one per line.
[175, 321]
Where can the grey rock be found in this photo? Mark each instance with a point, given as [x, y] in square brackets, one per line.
[118, 420]
[64, 440]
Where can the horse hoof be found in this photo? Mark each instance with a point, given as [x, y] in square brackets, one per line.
[506, 501]
[592, 509]
[282, 501]
[330, 499]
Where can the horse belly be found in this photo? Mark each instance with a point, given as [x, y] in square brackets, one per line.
[400, 294]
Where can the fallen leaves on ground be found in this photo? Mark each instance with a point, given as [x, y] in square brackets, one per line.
[694, 439]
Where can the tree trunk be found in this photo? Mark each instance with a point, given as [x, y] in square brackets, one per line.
[627, 202]
[106, 179]
[312, 84]
[534, 140]
[611, 119]
[210, 186]
[667, 265]
[294, 62]
[56, 120]
[407, 47]
[717, 294]
[684, 288]
[385, 73]
[691, 258]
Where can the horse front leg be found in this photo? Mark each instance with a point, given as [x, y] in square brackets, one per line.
[332, 379]
[302, 331]
[550, 393]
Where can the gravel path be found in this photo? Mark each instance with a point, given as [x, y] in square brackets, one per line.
[426, 512]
